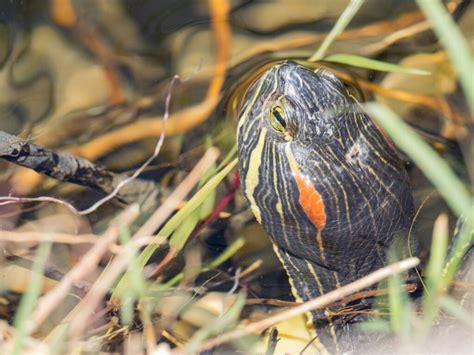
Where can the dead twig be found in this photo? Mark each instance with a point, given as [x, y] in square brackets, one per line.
[163, 264]
[395, 37]
[271, 302]
[311, 305]
[13, 199]
[356, 296]
[69, 168]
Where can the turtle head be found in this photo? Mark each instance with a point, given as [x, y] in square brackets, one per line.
[316, 171]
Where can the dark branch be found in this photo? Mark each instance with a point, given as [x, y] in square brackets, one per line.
[69, 168]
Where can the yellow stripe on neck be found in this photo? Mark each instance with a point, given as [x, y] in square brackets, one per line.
[253, 175]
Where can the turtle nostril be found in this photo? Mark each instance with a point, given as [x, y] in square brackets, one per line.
[354, 151]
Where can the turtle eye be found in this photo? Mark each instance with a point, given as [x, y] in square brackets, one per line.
[277, 119]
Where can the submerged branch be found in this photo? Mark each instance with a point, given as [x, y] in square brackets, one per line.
[67, 168]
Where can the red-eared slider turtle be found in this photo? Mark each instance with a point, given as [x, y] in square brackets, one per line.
[323, 181]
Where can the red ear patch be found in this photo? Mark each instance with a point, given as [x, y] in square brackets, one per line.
[311, 201]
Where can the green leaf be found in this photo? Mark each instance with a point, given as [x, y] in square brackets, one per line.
[339, 27]
[367, 63]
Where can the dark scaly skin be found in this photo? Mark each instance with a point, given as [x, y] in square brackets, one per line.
[329, 189]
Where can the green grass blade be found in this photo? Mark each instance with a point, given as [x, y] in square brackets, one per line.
[137, 282]
[452, 190]
[454, 42]
[127, 306]
[184, 230]
[367, 63]
[439, 247]
[29, 299]
[434, 270]
[463, 242]
[338, 28]
[395, 302]
[376, 325]
[451, 306]
[398, 301]
[230, 250]
[432, 165]
[219, 325]
[190, 206]
[174, 222]
[223, 257]
[208, 204]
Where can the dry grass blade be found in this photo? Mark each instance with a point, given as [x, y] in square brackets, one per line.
[63, 238]
[83, 311]
[76, 321]
[316, 303]
[88, 263]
